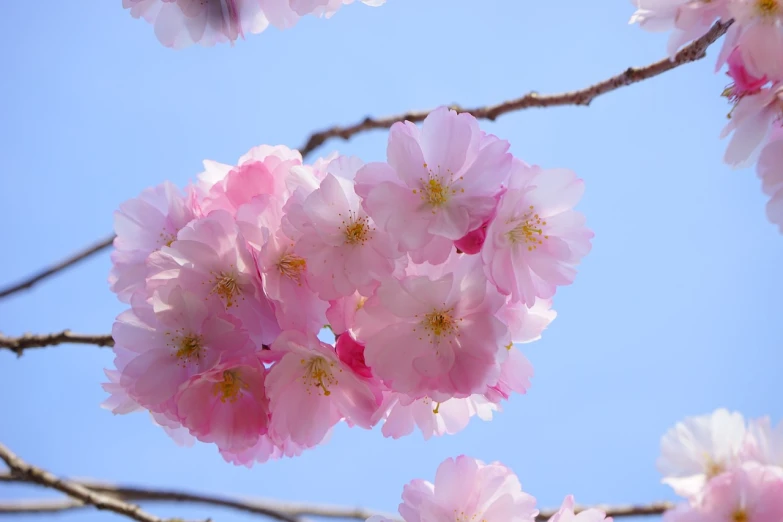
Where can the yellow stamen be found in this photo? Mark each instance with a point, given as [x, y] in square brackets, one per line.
[529, 230]
[437, 409]
[227, 288]
[740, 516]
[439, 322]
[190, 348]
[292, 266]
[712, 468]
[356, 229]
[228, 389]
[767, 8]
[318, 374]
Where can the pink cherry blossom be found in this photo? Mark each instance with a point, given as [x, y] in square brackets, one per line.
[700, 448]
[751, 124]
[143, 225]
[468, 489]
[515, 374]
[439, 183]
[341, 313]
[401, 414]
[758, 33]
[180, 23]
[435, 335]
[566, 513]
[343, 249]
[526, 324]
[748, 493]
[536, 240]
[766, 442]
[351, 354]
[744, 82]
[770, 170]
[227, 405]
[310, 390]
[211, 258]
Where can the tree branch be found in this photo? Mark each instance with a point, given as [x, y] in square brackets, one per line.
[58, 267]
[285, 511]
[29, 473]
[27, 341]
[691, 53]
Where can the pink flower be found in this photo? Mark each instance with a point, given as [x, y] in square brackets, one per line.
[525, 324]
[749, 493]
[536, 239]
[770, 170]
[766, 442]
[402, 414]
[566, 513]
[180, 23]
[515, 374]
[343, 249]
[211, 258]
[351, 354]
[752, 122]
[158, 352]
[758, 32]
[264, 450]
[700, 448]
[436, 334]
[143, 225]
[468, 489]
[744, 82]
[310, 390]
[227, 405]
[439, 183]
[341, 313]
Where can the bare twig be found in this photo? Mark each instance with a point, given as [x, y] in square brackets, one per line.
[694, 51]
[58, 267]
[29, 473]
[280, 510]
[27, 341]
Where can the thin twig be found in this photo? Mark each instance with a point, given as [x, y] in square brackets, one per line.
[280, 510]
[692, 52]
[58, 267]
[27, 341]
[78, 492]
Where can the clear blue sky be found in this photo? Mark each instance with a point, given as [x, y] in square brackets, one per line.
[675, 312]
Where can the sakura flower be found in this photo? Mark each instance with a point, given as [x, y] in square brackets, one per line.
[744, 82]
[758, 33]
[352, 354]
[227, 405]
[752, 122]
[766, 442]
[343, 249]
[468, 489]
[439, 183]
[341, 313]
[158, 352]
[526, 324]
[310, 390]
[515, 374]
[566, 513]
[770, 170]
[748, 493]
[143, 225]
[435, 335]
[211, 259]
[402, 414]
[536, 239]
[181, 23]
[700, 448]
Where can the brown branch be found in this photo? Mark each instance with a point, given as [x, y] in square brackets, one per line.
[78, 492]
[691, 53]
[58, 267]
[27, 341]
[279, 510]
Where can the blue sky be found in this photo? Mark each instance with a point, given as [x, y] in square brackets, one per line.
[674, 313]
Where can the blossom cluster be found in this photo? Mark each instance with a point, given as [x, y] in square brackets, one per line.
[726, 469]
[468, 489]
[753, 53]
[427, 268]
[181, 23]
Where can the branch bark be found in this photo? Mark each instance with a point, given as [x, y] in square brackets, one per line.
[78, 492]
[285, 511]
[27, 341]
[690, 53]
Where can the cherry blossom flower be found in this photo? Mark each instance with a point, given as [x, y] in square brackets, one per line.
[758, 33]
[515, 374]
[351, 353]
[687, 19]
[700, 448]
[143, 225]
[310, 390]
[536, 239]
[748, 493]
[341, 313]
[566, 513]
[744, 82]
[468, 489]
[439, 183]
[435, 335]
[766, 442]
[344, 250]
[751, 124]
[770, 170]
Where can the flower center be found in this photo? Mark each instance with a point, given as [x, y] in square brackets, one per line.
[167, 238]
[529, 230]
[189, 349]
[712, 468]
[461, 516]
[740, 515]
[228, 389]
[318, 375]
[227, 287]
[292, 266]
[767, 8]
[357, 230]
[440, 322]
[436, 190]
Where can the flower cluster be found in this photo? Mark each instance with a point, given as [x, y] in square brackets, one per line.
[468, 489]
[427, 268]
[727, 470]
[181, 23]
[753, 54]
